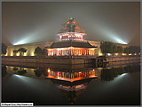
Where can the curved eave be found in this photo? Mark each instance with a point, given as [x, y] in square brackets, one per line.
[69, 47]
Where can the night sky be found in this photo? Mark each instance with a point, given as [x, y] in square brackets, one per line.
[35, 22]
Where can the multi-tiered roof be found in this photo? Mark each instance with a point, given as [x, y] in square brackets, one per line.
[71, 30]
[71, 26]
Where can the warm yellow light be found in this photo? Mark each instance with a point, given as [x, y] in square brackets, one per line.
[18, 54]
[91, 49]
[116, 54]
[99, 68]
[32, 53]
[74, 76]
[11, 54]
[6, 54]
[135, 54]
[100, 53]
[49, 70]
[25, 54]
[129, 54]
[124, 54]
[50, 49]
[71, 47]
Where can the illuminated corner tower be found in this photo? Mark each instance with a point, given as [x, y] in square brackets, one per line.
[71, 42]
[71, 31]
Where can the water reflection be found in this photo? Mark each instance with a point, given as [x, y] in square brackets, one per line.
[4, 70]
[38, 72]
[71, 82]
[72, 75]
[19, 70]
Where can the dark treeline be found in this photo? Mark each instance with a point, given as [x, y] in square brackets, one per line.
[39, 51]
[4, 49]
[109, 47]
[20, 50]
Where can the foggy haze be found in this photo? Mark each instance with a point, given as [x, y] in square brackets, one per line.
[35, 22]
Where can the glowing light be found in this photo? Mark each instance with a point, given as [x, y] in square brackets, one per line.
[71, 51]
[91, 49]
[24, 78]
[25, 54]
[78, 86]
[116, 54]
[6, 54]
[71, 76]
[124, 54]
[32, 53]
[49, 70]
[100, 53]
[28, 38]
[129, 54]
[123, 74]
[18, 75]
[23, 41]
[109, 54]
[120, 76]
[11, 54]
[71, 35]
[18, 54]
[118, 40]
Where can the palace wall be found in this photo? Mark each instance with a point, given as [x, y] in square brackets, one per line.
[30, 48]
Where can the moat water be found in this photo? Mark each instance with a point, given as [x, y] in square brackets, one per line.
[75, 85]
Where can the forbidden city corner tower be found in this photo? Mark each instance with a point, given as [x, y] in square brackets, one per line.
[71, 42]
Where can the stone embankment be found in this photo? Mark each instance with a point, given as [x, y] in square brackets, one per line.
[48, 60]
[68, 60]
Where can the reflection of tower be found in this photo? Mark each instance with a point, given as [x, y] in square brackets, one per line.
[73, 94]
[72, 90]
[71, 76]
[71, 30]
[72, 84]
